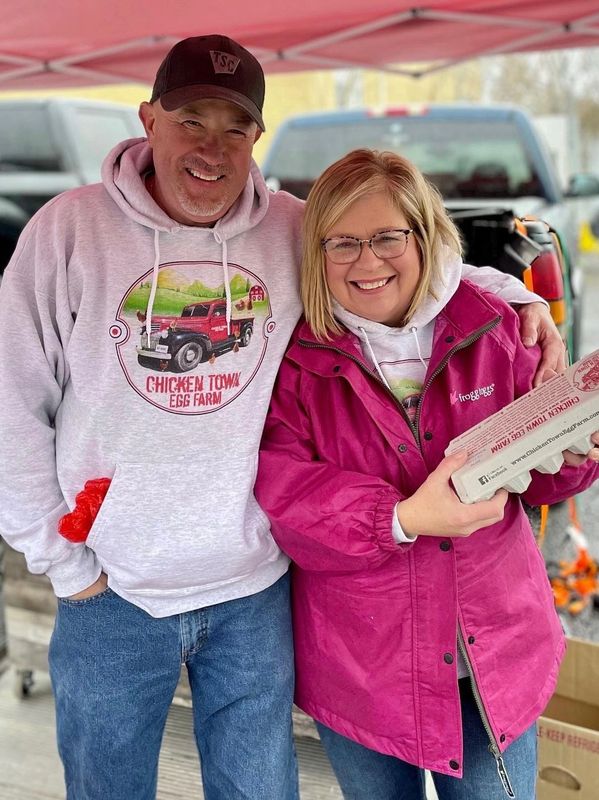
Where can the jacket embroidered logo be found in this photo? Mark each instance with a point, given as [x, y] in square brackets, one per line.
[473, 395]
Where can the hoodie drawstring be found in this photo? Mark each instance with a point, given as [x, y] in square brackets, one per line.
[223, 243]
[414, 332]
[155, 270]
[374, 361]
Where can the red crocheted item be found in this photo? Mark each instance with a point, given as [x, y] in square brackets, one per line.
[76, 525]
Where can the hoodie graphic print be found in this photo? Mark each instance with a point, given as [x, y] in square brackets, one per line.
[197, 357]
[147, 353]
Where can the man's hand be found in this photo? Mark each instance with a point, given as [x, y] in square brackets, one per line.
[92, 590]
[435, 509]
[537, 326]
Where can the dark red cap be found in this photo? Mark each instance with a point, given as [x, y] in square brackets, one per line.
[210, 66]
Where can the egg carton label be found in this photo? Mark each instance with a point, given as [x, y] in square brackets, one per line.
[530, 433]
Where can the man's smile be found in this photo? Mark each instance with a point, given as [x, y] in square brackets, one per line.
[203, 176]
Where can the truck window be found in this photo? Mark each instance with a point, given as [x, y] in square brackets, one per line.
[462, 157]
[200, 310]
[27, 143]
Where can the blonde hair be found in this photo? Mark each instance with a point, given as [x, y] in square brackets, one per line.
[359, 173]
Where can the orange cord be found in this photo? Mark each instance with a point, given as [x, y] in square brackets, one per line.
[543, 525]
[573, 513]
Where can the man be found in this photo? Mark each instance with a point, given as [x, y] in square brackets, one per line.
[124, 367]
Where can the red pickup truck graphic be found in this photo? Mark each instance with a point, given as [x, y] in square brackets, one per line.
[200, 334]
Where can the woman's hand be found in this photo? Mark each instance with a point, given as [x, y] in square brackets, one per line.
[537, 327]
[575, 460]
[436, 510]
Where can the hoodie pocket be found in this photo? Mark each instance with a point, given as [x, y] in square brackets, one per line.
[180, 526]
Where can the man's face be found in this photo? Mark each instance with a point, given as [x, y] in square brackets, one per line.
[202, 153]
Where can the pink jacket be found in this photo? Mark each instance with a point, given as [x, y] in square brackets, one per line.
[376, 623]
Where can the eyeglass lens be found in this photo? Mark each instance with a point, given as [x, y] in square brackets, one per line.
[387, 244]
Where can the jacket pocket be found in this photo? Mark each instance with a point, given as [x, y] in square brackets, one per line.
[177, 525]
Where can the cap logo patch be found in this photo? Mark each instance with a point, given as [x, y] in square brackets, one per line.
[224, 62]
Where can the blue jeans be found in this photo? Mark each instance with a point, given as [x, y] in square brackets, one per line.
[364, 774]
[114, 670]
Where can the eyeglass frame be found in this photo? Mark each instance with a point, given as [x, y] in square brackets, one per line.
[405, 231]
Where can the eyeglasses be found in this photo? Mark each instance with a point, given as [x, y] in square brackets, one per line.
[385, 244]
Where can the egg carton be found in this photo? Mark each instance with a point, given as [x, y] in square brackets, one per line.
[530, 433]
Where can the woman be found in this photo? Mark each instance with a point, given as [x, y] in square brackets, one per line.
[425, 631]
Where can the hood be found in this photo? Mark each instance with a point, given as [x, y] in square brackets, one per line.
[123, 173]
[444, 287]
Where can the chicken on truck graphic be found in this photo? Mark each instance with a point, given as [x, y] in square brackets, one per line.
[199, 334]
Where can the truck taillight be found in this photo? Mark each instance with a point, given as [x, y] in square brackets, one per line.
[547, 269]
[547, 279]
[412, 110]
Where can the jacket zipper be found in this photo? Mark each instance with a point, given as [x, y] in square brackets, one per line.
[493, 746]
[443, 363]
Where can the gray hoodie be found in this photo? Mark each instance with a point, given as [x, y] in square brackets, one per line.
[145, 351]
[174, 418]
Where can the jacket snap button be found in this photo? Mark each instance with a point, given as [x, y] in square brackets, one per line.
[445, 546]
[448, 658]
[449, 339]
[428, 436]
[336, 368]
[402, 448]
[454, 764]
[471, 640]
[502, 737]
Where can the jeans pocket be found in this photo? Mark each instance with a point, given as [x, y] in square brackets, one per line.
[86, 600]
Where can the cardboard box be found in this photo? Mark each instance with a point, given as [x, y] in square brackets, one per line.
[569, 729]
[530, 433]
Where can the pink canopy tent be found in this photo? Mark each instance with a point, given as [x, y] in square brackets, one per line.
[81, 42]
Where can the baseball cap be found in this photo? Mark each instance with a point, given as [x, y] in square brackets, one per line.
[210, 66]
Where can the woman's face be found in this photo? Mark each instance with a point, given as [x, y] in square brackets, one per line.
[375, 288]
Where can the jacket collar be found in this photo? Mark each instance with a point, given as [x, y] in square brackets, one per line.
[466, 313]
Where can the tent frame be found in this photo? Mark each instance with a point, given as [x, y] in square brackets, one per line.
[537, 34]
